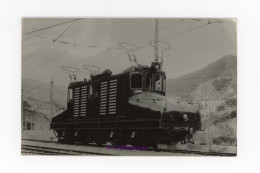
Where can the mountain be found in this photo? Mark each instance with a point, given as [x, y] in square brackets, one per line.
[35, 120]
[214, 88]
[37, 94]
[208, 83]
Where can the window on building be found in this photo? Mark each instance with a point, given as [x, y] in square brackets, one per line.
[136, 80]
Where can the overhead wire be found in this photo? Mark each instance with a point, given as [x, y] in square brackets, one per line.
[53, 41]
[112, 47]
[38, 51]
[189, 30]
[48, 27]
[65, 30]
[164, 38]
[65, 51]
[117, 55]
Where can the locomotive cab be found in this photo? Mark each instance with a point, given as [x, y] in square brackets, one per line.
[148, 80]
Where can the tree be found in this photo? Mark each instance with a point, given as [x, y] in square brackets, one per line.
[26, 104]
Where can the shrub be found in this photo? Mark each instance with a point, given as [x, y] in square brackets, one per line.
[220, 108]
[231, 102]
[224, 140]
[26, 104]
[233, 114]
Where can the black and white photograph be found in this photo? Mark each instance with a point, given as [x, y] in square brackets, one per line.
[129, 86]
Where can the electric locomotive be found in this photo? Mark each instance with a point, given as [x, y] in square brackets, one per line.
[126, 108]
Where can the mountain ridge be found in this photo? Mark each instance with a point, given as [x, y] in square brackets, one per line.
[183, 86]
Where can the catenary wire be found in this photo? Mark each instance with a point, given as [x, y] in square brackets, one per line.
[67, 50]
[48, 27]
[168, 37]
[112, 47]
[46, 46]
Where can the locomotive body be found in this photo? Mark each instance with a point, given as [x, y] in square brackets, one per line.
[127, 108]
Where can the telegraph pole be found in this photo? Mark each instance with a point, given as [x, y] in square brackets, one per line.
[156, 40]
[51, 97]
[23, 116]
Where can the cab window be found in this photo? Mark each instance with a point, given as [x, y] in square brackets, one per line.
[148, 83]
[70, 94]
[95, 90]
[91, 92]
[158, 83]
[164, 85]
[136, 80]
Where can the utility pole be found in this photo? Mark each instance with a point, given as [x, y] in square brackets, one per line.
[51, 97]
[23, 116]
[31, 122]
[156, 40]
[209, 139]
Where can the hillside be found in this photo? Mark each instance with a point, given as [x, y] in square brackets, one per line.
[211, 79]
[214, 87]
[39, 97]
[43, 92]
[35, 120]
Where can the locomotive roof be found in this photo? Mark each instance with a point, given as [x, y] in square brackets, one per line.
[125, 72]
[155, 102]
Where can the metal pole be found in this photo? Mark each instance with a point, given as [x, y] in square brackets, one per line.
[31, 122]
[51, 98]
[156, 40]
[210, 139]
[208, 133]
[23, 117]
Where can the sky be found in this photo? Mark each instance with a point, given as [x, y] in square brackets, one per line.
[194, 43]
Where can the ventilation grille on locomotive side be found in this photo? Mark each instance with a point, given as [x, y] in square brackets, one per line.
[112, 96]
[80, 101]
[103, 98]
[83, 100]
[108, 97]
[76, 98]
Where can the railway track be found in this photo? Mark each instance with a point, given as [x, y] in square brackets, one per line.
[42, 150]
[30, 149]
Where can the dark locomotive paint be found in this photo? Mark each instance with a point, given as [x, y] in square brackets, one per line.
[106, 108]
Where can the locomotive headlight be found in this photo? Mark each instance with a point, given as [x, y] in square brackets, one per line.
[157, 67]
[185, 117]
[191, 131]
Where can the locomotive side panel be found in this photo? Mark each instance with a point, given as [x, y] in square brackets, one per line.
[93, 98]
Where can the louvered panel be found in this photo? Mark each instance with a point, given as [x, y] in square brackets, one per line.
[76, 101]
[114, 87]
[112, 96]
[103, 98]
[83, 100]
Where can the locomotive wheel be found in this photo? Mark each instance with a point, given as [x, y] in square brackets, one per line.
[101, 137]
[137, 141]
[119, 140]
[149, 139]
[86, 137]
[189, 139]
[99, 141]
[115, 141]
[69, 137]
[86, 140]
